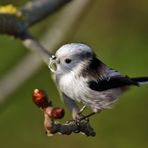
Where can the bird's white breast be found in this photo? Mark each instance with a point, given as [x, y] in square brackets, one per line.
[72, 86]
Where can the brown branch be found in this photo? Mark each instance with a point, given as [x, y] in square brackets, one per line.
[52, 127]
[51, 113]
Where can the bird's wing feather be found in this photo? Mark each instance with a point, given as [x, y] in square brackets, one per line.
[106, 78]
[112, 82]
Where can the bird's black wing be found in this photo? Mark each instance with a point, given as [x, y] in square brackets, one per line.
[100, 77]
[110, 83]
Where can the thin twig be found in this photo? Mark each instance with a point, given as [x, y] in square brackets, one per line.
[31, 43]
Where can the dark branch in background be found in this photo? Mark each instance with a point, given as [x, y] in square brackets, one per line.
[30, 14]
[39, 9]
[11, 24]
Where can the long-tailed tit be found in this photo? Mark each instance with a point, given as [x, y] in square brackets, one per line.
[82, 77]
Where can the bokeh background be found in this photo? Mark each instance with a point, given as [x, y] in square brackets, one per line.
[118, 32]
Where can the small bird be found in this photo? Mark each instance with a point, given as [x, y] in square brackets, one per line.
[82, 77]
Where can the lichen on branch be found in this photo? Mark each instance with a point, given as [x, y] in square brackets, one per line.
[10, 9]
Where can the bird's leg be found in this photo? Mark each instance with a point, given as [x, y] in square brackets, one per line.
[89, 115]
[71, 104]
[82, 109]
[79, 114]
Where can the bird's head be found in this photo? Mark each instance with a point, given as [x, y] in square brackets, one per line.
[70, 57]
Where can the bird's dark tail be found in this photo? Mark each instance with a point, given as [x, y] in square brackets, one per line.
[141, 80]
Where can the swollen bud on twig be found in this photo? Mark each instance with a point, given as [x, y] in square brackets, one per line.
[40, 98]
[57, 113]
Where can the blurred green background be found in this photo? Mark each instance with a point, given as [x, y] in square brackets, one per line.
[118, 32]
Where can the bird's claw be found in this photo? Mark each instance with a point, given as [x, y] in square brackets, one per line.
[79, 118]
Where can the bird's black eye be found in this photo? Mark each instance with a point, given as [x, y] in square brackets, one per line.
[67, 61]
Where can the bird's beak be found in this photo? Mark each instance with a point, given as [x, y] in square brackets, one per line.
[52, 64]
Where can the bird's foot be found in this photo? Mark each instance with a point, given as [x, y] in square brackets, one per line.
[81, 117]
[87, 116]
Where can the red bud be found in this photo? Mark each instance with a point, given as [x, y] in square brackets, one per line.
[57, 113]
[40, 98]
